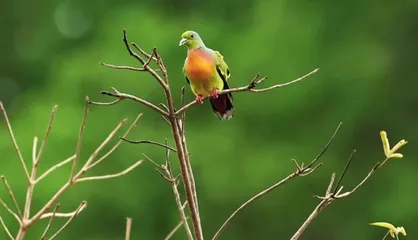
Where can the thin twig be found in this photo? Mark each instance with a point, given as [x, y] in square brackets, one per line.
[170, 177]
[177, 227]
[12, 196]
[79, 209]
[122, 67]
[350, 159]
[113, 149]
[331, 196]
[300, 171]
[10, 211]
[123, 96]
[55, 167]
[105, 103]
[6, 229]
[34, 148]
[326, 146]
[250, 88]
[93, 156]
[9, 127]
[128, 228]
[43, 237]
[149, 142]
[48, 130]
[62, 215]
[80, 139]
[111, 175]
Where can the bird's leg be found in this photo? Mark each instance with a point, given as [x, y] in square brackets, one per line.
[214, 93]
[199, 99]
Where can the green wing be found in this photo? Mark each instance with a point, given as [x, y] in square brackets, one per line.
[187, 80]
[222, 67]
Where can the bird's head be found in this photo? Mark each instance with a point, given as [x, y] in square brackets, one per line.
[191, 39]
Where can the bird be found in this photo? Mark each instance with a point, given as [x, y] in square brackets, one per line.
[207, 73]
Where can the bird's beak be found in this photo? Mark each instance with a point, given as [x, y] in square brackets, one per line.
[182, 41]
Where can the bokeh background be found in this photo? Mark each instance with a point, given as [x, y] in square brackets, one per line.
[367, 52]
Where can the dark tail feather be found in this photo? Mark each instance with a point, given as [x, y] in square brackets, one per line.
[222, 106]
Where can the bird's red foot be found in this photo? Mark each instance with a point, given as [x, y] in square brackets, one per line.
[214, 94]
[199, 99]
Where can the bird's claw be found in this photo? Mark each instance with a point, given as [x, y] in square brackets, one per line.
[214, 94]
[199, 99]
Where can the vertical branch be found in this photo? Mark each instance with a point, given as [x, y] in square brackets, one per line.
[9, 127]
[128, 228]
[80, 139]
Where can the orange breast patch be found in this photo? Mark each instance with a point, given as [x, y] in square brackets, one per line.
[200, 65]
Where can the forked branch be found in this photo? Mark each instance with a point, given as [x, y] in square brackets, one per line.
[24, 219]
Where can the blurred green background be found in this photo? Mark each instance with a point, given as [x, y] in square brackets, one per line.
[367, 52]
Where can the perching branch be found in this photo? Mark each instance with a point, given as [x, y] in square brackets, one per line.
[176, 118]
[300, 171]
[250, 88]
[24, 218]
[332, 195]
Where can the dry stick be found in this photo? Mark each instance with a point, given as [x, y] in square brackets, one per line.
[177, 227]
[12, 196]
[105, 103]
[9, 127]
[174, 183]
[55, 167]
[182, 125]
[128, 228]
[79, 209]
[48, 130]
[6, 229]
[71, 181]
[176, 133]
[300, 171]
[43, 237]
[123, 96]
[332, 196]
[251, 88]
[149, 142]
[10, 211]
[113, 149]
[62, 215]
[111, 175]
[80, 140]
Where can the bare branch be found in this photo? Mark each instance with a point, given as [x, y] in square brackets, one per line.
[105, 103]
[111, 175]
[9, 127]
[55, 167]
[93, 156]
[48, 130]
[128, 228]
[331, 196]
[123, 67]
[113, 149]
[149, 142]
[34, 148]
[80, 140]
[350, 159]
[12, 196]
[123, 96]
[300, 171]
[43, 237]
[62, 215]
[147, 55]
[10, 211]
[249, 88]
[6, 229]
[326, 146]
[177, 227]
[79, 209]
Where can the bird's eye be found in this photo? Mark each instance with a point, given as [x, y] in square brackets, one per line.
[192, 36]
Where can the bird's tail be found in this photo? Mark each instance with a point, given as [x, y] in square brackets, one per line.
[222, 106]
